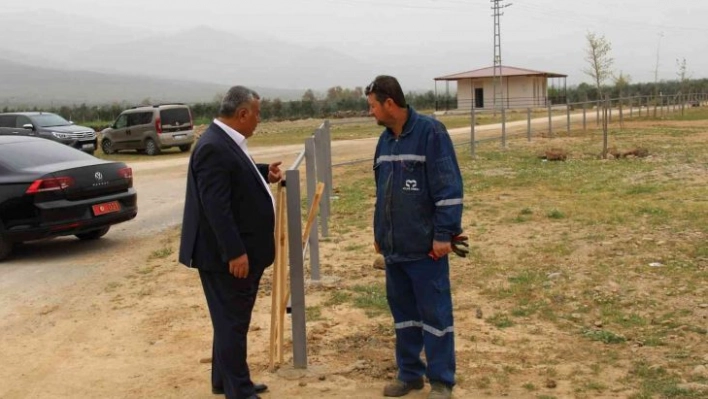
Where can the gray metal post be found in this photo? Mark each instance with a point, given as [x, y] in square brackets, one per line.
[609, 111]
[605, 121]
[585, 119]
[313, 241]
[631, 110]
[550, 120]
[621, 113]
[528, 124]
[503, 123]
[297, 274]
[473, 143]
[328, 159]
[567, 112]
[656, 102]
[321, 161]
[597, 113]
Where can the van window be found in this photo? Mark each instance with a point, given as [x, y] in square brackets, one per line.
[175, 116]
[139, 118]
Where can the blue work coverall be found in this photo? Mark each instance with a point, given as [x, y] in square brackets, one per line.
[418, 200]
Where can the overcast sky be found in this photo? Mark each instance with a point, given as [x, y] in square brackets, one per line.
[539, 34]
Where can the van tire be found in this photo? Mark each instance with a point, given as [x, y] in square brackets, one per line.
[107, 146]
[185, 147]
[151, 148]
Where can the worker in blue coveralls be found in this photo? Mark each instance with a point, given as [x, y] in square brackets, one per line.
[418, 213]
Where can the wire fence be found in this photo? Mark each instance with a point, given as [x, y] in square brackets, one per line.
[582, 115]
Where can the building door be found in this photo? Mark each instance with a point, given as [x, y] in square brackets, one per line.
[479, 98]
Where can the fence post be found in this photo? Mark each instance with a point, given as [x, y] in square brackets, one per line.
[631, 107]
[550, 121]
[585, 125]
[567, 112]
[683, 105]
[609, 111]
[297, 274]
[503, 123]
[656, 101]
[528, 124]
[328, 153]
[605, 122]
[322, 171]
[597, 112]
[473, 144]
[620, 112]
[313, 241]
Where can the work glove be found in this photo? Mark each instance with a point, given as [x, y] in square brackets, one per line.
[460, 246]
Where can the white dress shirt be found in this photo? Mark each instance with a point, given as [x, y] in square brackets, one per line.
[240, 141]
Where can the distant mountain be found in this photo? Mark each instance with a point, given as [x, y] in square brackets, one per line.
[55, 35]
[26, 85]
[211, 55]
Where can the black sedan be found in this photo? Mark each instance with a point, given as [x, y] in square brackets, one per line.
[48, 190]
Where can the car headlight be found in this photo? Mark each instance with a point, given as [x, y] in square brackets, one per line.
[61, 135]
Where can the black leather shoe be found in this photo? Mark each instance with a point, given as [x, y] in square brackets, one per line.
[259, 388]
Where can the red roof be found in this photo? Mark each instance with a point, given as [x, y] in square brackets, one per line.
[505, 71]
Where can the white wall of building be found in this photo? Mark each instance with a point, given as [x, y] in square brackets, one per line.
[519, 91]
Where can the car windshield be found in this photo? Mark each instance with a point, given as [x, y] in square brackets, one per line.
[26, 154]
[49, 120]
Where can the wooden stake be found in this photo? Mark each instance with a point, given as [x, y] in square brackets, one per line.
[312, 215]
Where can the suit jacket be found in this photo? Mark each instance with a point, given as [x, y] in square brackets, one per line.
[227, 210]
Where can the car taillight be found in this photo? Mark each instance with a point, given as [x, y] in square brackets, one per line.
[126, 173]
[158, 126]
[51, 184]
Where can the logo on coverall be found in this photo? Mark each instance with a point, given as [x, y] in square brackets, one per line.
[411, 185]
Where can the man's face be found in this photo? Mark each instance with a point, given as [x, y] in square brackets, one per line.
[250, 117]
[378, 110]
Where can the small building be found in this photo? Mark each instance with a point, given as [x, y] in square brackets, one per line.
[519, 88]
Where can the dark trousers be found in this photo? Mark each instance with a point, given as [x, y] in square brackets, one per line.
[421, 304]
[230, 301]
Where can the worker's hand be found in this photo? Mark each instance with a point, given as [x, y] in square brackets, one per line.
[239, 266]
[440, 249]
[274, 172]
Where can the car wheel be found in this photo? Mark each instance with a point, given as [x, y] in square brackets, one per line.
[151, 147]
[107, 146]
[93, 234]
[5, 248]
[185, 147]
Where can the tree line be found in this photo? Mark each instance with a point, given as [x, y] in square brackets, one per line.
[338, 102]
[342, 102]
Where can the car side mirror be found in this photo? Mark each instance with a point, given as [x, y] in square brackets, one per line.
[28, 126]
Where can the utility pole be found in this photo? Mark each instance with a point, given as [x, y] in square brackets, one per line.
[498, 80]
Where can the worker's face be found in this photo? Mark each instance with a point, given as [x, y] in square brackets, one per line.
[380, 111]
[249, 118]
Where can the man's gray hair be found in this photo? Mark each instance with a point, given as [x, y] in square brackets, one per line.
[236, 98]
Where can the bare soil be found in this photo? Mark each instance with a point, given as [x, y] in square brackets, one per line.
[136, 325]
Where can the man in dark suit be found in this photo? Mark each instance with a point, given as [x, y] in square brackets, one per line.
[227, 234]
